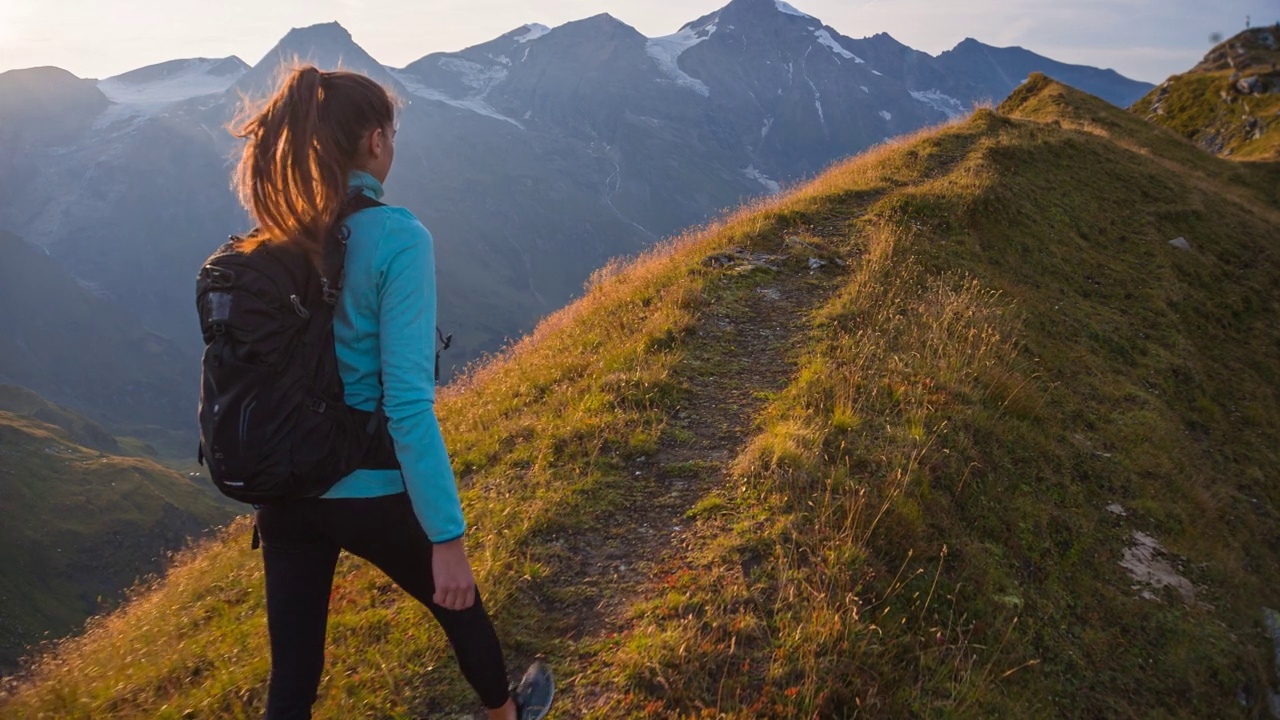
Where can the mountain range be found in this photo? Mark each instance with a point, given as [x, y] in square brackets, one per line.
[534, 158]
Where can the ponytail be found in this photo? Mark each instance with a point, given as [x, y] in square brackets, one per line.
[301, 146]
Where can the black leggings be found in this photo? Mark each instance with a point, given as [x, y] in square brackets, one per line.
[300, 544]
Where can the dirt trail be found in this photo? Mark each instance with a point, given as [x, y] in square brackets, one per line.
[746, 349]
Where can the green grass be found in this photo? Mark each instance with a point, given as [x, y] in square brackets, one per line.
[79, 429]
[1204, 105]
[915, 523]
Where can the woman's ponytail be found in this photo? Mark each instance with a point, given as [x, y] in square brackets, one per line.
[301, 146]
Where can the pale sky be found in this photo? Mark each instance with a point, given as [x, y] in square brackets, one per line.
[1144, 39]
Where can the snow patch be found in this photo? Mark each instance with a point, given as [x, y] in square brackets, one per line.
[886, 115]
[666, 51]
[825, 38]
[877, 72]
[864, 89]
[787, 8]
[534, 31]
[474, 75]
[189, 81]
[943, 103]
[817, 100]
[768, 125]
[771, 185]
[474, 103]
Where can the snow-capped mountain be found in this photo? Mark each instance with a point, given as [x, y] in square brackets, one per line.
[533, 157]
[154, 88]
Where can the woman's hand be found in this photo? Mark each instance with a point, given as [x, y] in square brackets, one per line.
[455, 585]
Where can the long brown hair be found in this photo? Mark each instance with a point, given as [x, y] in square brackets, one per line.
[302, 144]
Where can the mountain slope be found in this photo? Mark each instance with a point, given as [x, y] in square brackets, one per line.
[154, 88]
[74, 347]
[55, 106]
[79, 429]
[1229, 104]
[977, 70]
[951, 430]
[81, 525]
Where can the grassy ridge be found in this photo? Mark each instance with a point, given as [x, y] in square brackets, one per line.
[921, 527]
[1000, 345]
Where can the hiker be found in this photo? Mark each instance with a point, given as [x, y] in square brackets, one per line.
[319, 148]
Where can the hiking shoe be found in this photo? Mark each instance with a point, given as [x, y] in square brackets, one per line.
[534, 693]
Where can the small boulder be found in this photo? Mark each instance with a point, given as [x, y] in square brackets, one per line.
[1180, 243]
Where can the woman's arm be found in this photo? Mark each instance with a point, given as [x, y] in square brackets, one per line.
[407, 333]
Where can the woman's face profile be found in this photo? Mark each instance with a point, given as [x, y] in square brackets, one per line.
[379, 151]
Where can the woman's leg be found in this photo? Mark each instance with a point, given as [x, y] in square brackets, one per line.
[299, 565]
[385, 532]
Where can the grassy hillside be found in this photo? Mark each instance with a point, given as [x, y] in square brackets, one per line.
[878, 446]
[81, 524]
[1229, 103]
[80, 429]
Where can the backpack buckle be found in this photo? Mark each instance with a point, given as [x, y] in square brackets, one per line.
[219, 277]
[330, 294]
[316, 405]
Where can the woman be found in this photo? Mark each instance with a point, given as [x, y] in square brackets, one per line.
[321, 137]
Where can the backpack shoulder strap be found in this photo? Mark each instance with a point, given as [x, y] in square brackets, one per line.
[358, 201]
[335, 245]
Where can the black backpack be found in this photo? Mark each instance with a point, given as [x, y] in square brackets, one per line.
[273, 422]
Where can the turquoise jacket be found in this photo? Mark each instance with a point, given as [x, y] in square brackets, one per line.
[386, 324]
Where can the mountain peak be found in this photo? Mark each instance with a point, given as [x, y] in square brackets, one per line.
[330, 31]
[602, 26]
[39, 75]
[602, 20]
[48, 92]
[328, 46]
[771, 7]
[757, 13]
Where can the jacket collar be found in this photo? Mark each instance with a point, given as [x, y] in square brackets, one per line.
[366, 183]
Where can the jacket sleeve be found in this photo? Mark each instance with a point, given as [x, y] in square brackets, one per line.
[407, 334]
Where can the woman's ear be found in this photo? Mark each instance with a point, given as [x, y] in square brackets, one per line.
[377, 143]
